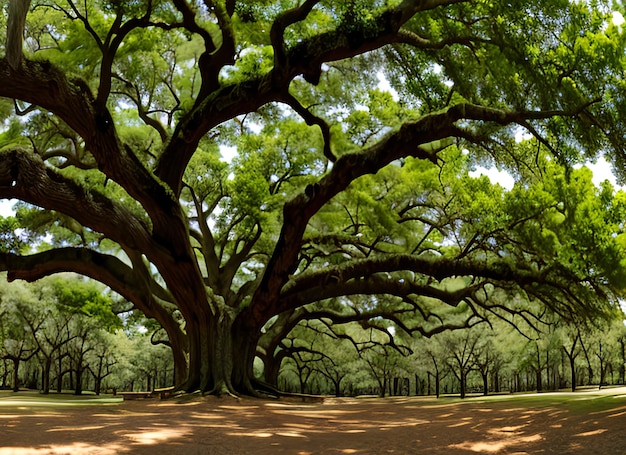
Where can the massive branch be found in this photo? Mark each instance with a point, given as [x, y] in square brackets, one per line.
[306, 59]
[24, 176]
[417, 139]
[378, 285]
[101, 267]
[42, 84]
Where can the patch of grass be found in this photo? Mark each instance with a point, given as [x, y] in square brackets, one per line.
[586, 401]
[30, 399]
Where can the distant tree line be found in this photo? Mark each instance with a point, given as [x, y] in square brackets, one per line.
[68, 333]
[482, 359]
[64, 334]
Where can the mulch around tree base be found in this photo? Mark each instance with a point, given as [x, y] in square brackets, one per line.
[583, 423]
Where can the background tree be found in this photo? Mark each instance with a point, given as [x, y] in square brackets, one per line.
[437, 358]
[50, 329]
[461, 348]
[118, 113]
[572, 349]
[18, 342]
[103, 359]
[621, 340]
[487, 358]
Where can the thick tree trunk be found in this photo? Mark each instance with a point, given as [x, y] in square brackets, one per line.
[221, 355]
[244, 343]
[271, 370]
[198, 335]
[180, 347]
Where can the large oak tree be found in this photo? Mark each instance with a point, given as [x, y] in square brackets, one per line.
[118, 113]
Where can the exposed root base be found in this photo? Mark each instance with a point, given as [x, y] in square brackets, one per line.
[255, 389]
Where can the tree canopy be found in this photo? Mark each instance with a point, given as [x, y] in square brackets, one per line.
[343, 201]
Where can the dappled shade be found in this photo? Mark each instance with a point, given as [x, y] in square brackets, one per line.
[566, 423]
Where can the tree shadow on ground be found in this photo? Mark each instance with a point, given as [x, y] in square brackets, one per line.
[589, 424]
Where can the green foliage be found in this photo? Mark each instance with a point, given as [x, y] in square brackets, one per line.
[63, 318]
[10, 239]
[344, 201]
[88, 298]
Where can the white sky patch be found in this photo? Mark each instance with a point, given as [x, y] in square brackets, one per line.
[228, 153]
[618, 19]
[256, 128]
[6, 207]
[385, 86]
[603, 170]
[503, 178]
[522, 135]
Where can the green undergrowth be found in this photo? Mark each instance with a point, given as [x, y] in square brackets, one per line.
[32, 399]
[584, 401]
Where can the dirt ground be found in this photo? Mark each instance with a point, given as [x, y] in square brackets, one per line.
[543, 424]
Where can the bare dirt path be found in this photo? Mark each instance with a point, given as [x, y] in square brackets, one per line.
[584, 423]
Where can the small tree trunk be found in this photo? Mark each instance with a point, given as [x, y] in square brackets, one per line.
[622, 365]
[463, 381]
[60, 375]
[79, 381]
[539, 383]
[16, 374]
[5, 373]
[337, 383]
[589, 366]
[383, 387]
[572, 361]
[45, 377]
